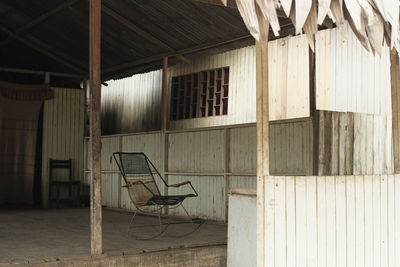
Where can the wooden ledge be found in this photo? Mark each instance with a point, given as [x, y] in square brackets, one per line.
[243, 191]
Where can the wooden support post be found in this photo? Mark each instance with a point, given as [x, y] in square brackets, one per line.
[47, 78]
[164, 135]
[395, 83]
[262, 106]
[164, 94]
[95, 129]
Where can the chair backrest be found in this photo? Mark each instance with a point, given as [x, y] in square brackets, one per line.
[60, 164]
[138, 173]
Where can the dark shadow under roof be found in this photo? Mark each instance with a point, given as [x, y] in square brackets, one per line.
[53, 35]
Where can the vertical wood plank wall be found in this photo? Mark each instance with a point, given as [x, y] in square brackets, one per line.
[334, 220]
[286, 79]
[63, 133]
[348, 78]
[214, 160]
[352, 143]
[134, 104]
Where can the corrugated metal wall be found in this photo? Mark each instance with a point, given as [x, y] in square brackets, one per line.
[332, 221]
[214, 160]
[63, 133]
[132, 104]
[348, 78]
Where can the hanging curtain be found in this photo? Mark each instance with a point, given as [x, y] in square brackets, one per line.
[19, 114]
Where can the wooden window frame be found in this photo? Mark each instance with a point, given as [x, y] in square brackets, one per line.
[199, 95]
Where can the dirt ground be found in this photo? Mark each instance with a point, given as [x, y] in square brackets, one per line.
[64, 233]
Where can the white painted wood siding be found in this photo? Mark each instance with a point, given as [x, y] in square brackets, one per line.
[63, 133]
[288, 82]
[332, 220]
[348, 78]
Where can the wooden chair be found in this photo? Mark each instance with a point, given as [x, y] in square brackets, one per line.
[139, 175]
[57, 184]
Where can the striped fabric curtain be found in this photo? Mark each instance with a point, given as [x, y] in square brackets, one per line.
[19, 114]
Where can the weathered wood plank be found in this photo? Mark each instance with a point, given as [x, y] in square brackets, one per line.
[359, 222]
[95, 89]
[262, 116]
[341, 238]
[280, 221]
[290, 221]
[301, 222]
[311, 214]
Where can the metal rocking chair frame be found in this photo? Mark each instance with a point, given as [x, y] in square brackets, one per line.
[147, 191]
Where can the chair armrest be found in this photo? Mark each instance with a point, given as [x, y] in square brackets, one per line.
[129, 184]
[139, 182]
[183, 183]
[178, 185]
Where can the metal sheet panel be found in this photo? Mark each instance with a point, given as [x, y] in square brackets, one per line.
[132, 104]
[349, 78]
[242, 182]
[211, 202]
[200, 151]
[110, 190]
[242, 152]
[291, 148]
[109, 145]
[63, 133]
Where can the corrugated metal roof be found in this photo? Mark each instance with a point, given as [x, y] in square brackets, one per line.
[180, 24]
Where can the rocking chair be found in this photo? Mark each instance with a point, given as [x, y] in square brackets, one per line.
[139, 175]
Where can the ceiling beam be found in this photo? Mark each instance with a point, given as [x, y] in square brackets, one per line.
[141, 32]
[159, 57]
[43, 51]
[38, 19]
[232, 4]
[40, 72]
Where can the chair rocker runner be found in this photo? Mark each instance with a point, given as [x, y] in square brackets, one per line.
[139, 175]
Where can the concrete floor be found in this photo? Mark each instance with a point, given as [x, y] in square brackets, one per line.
[27, 235]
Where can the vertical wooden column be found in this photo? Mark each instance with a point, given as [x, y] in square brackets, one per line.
[164, 136]
[262, 105]
[395, 83]
[164, 94]
[95, 129]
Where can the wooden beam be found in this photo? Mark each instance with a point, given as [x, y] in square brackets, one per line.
[141, 32]
[262, 125]
[41, 72]
[172, 54]
[229, 3]
[395, 84]
[232, 4]
[95, 127]
[129, 72]
[164, 94]
[43, 51]
[38, 19]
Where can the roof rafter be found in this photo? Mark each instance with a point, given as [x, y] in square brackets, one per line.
[232, 4]
[108, 73]
[38, 19]
[43, 51]
[142, 33]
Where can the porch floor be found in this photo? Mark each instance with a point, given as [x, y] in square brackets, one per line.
[29, 235]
